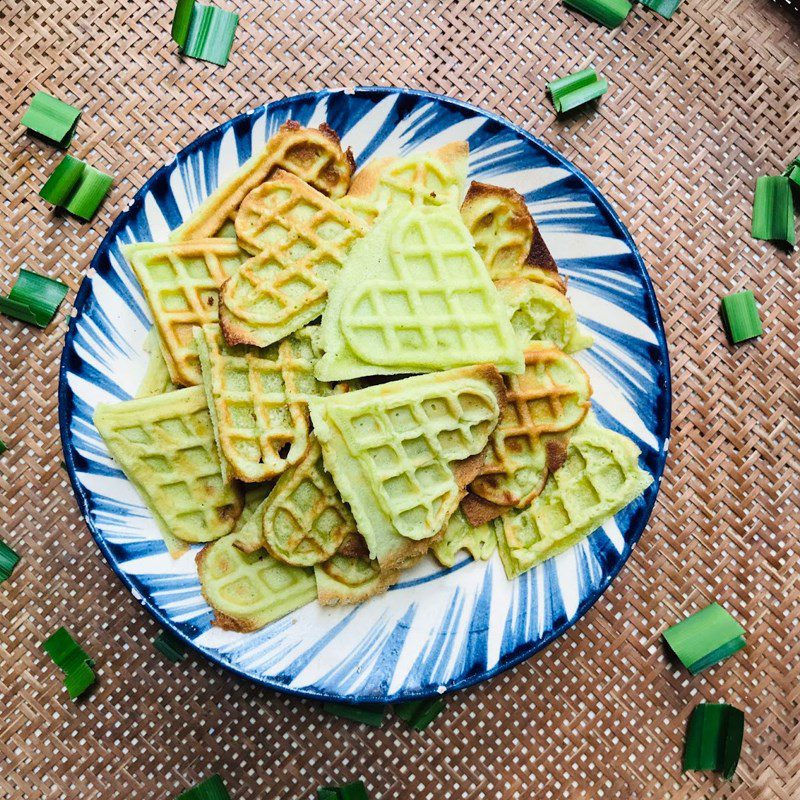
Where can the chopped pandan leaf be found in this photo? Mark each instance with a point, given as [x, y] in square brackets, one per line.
[73, 661]
[91, 191]
[714, 738]
[63, 181]
[792, 172]
[610, 13]
[170, 646]
[353, 791]
[65, 651]
[204, 32]
[181, 21]
[78, 680]
[8, 560]
[366, 713]
[327, 793]
[420, 713]
[795, 162]
[210, 789]
[33, 298]
[51, 118]
[740, 316]
[666, 8]
[773, 210]
[705, 638]
[3, 447]
[76, 187]
[576, 89]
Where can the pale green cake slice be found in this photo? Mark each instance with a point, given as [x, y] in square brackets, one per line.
[165, 446]
[600, 476]
[400, 453]
[414, 296]
[248, 590]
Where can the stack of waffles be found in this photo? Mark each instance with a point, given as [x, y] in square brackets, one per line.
[351, 371]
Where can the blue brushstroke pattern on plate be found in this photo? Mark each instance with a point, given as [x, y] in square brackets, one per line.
[438, 630]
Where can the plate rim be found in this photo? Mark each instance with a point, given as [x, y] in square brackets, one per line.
[504, 662]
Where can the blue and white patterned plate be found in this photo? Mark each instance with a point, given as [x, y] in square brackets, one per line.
[438, 629]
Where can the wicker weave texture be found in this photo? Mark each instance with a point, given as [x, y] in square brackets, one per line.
[698, 107]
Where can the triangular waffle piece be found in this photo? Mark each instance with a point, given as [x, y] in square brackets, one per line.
[156, 378]
[351, 577]
[305, 238]
[259, 400]
[479, 541]
[541, 313]
[401, 453]
[305, 521]
[414, 296]
[181, 283]
[431, 178]
[248, 590]
[550, 397]
[507, 238]
[601, 476]
[165, 446]
[315, 156]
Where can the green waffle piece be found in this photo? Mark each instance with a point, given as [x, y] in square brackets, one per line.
[351, 577]
[542, 313]
[479, 541]
[549, 399]
[248, 590]
[181, 283]
[304, 519]
[393, 452]
[431, 178]
[156, 378]
[305, 238]
[165, 446]
[506, 237]
[600, 477]
[414, 296]
[259, 401]
[314, 155]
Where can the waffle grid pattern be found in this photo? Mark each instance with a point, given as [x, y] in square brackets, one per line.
[313, 157]
[275, 213]
[501, 233]
[405, 180]
[438, 301]
[166, 445]
[181, 283]
[409, 472]
[305, 520]
[698, 107]
[284, 286]
[589, 485]
[539, 402]
[251, 588]
[261, 401]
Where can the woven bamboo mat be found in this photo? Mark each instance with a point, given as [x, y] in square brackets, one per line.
[698, 107]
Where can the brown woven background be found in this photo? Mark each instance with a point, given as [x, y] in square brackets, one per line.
[698, 107]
